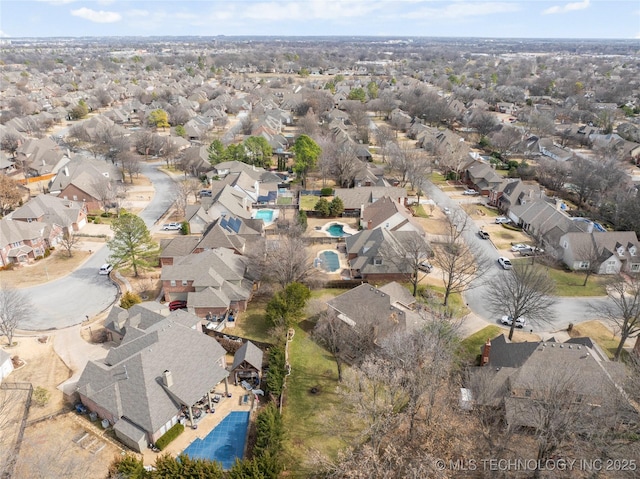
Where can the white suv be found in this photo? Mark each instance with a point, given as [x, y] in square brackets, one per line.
[508, 320]
[502, 219]
[172, 227]
[105, 268]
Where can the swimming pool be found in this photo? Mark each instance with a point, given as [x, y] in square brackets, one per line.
[336, 230]
[330, 261]
[265, 215]
[224, 443]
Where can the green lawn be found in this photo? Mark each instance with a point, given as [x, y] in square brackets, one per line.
[308, 202]
[308, 416]
[569, 283]
[437, 178]
[251, 324]
[284, 200]
[456, 304]
[470, 346]
[419, 211]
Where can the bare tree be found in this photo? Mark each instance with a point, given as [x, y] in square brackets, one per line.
[15, 307]
[460, 262]
[130, 163]
[408, 255]
[182, 190]
[286, 260]
[552, 174]
[483, 122]
[589, 256]
[10, 142]
[505, 140]
[345, 164]
[524, 291]
[622, 310]
[10, 194]
[103, 193]
[69, 242]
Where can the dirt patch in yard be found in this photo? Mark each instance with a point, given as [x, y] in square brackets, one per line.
[62, 447]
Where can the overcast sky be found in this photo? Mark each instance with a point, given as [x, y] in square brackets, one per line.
[437, 18]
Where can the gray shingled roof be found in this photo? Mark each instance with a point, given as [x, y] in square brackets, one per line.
[132, 385]
[250, 353]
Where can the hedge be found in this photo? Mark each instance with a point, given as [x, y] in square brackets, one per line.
[169, 436]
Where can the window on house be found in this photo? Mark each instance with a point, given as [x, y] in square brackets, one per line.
[635, 267]
[584, 265]
[75, 198]
[173, 282]
[377, 261]
[184, 282]
[633, 251]
[565, 245]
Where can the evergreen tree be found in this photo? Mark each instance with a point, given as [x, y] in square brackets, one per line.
[322, 207]
[132, 245]
[336, 207]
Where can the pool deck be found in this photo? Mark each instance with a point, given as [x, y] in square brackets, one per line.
[342, 260]
[351, 226]
[205, 425]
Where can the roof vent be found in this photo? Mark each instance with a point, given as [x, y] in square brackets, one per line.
[570, 347]
[382, 295]
[561, 346]
[553, 345]
[579, 347]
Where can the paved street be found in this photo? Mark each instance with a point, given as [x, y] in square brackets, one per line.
[69, 300]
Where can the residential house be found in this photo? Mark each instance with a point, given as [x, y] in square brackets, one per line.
[378, 254]
[176, 247]
[614, 251]
[70, 215]
[162, 373]
[481, 176]
[511, 192]
[548, 148]
[376, 312]
[215, 282]
[520, 378]
[227, 202]
[507, 107]
[356, 199]
[216, 236]
[247, 365]
[41, 157]
[390, 214]
[85, 179]
[546, 222]
[197, 217]
[22, 242]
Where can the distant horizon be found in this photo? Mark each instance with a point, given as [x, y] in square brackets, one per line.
[491, 19]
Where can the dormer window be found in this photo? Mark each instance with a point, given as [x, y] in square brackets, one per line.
[620, 250]
[633, 250]
[377, 261]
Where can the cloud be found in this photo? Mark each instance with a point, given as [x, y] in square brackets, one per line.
[569, 7]
[3, 35]
[458, 10]
[97, 16]
[57, 2]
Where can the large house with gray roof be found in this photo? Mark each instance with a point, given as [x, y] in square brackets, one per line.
[356, 199]
[520, 378]
[614, 251]
[22, 242]
[51, 210]
[163, 372]
[215, 282]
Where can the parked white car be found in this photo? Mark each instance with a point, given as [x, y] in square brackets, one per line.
[519, 247]
[504, 262]
[172, 226]
[508, 320]
[470, 192]
[502, 219]
[105, 269]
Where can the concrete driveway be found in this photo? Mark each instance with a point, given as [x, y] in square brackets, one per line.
[69, 300]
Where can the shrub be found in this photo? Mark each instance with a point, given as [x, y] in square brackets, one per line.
[40, 396]
[97, 220]
[322, 207]
[47, 252]
[105, 214]
[336, 207]
[326, 191]
[277, 370]
[169, 436]
[302, 220]
[129, 299]
[38, 258]
[184, 228]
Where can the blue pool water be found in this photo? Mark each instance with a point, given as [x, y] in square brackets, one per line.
[336, 230]
[265, 215]
[330, 261]
[224, 443]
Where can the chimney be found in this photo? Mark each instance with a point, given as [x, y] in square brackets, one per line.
[485, 353]
[167, 379]
[369, 224]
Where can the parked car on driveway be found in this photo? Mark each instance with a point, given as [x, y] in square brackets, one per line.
[508, 320]
[470, 192]
[519, 247]
[504, 262]
[446, 211]
[173, 305]
[172, 226]
[425, 266]
[483, 234]
[502, 220]
[530, 251]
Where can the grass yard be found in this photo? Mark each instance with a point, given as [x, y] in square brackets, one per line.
[251, 324]
[309, 416]
[419, 211]
[478, 210]
[456, 304]
[308, 202]
[437, 178]
[470, 346]
[569, 283]
[597, 331]
[284, 200]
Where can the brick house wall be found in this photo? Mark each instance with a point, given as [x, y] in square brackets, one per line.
[72, 192]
